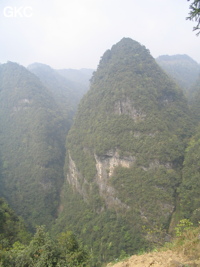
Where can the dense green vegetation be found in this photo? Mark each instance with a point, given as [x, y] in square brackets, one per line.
[105, 233]
[133, 108]
[124, 176]
[195, 101]
[189, 189]
[18, 249]
[12, 227]
[32, 134]
[44, 251]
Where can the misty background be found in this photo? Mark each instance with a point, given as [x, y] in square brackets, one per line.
[75, 34]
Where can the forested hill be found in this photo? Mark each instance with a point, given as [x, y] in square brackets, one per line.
[121, 173]
[32, 135]
[125, 152]
[182, 68]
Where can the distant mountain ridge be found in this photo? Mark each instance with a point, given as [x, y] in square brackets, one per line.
[118, 163]
[182, 68]
[81, 76]
[67, 86]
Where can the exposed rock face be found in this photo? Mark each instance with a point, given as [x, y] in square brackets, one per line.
[126, 107]
[126, 144]
[156, 163]
[22, 104]
[75, 178]
[105, 166]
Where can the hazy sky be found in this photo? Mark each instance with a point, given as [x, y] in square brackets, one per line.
[76, 33]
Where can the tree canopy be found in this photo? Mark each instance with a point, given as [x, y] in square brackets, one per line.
[194, 14]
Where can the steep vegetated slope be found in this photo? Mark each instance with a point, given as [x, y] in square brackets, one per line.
[195, 101]
[189, 190]
[32, 135]
[12, 227]
[182, 68]
[125, 151]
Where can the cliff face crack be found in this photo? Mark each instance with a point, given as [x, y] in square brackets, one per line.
[75, 179]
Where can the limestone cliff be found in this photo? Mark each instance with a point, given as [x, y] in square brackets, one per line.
[126, 148]
[105, 166]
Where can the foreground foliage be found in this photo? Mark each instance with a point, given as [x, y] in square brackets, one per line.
[12, 227]
[183, 250]
[17, 249]
[194, 14]
[44, 251]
